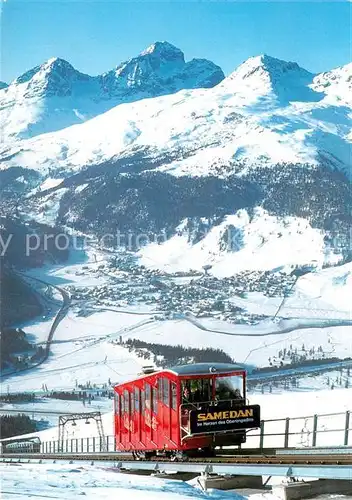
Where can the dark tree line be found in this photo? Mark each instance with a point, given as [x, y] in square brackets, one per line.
[176, 355]
[11, 341]
[73, 396]
[17, 300]
[14, 425]
[302, 362]
[151, 202]
[23, 246]
[15, 350]
[19, 397]
[142, 200]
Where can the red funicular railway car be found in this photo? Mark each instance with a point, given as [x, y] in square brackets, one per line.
[189, 409]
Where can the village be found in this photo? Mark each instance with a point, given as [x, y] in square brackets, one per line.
[167, 294]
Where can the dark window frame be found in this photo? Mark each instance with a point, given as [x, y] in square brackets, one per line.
[142, 400]
[166, 392]
[127, 401]
[154, 399]
[136, 397]
[148, 395]
[160, 389]
[117, 403]
[173, 396]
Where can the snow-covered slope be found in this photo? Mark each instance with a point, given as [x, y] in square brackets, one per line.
[239, 243]
[264, 75]
[98, 483]
[333, 286]
[55, 95]
[268, 111]
[337, 84]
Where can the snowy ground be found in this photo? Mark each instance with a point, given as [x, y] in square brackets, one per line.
[66, 482]
[85, 352]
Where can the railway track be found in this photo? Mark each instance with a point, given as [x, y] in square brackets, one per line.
[294, 459]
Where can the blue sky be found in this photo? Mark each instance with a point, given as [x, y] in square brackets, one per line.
[97, 35]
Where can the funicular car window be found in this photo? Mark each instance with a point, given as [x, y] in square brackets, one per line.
[166, 392]
[147, 396]
[136, 399]
[154, 399]
[173, 395]
[229, 387]
[142, 400]
[132, 402]
[206, 389]
[197, 390]
[160, 389]
[117, 404]
[122, 406]
[127, 401]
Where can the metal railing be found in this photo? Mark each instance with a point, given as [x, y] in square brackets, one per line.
[80, 445]
[329, 430]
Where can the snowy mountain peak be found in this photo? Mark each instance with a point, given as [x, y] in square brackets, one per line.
[159, 60]
[51, 65]
[54, 77]
[336, 83]
[163, 50]
[269, 69]
[342, 73]
[57, 64]
[160, 69]
[55, 95]
[276, 66]
[264, 75]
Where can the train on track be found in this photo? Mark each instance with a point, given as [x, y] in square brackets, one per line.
[184, 411]
[187, 410]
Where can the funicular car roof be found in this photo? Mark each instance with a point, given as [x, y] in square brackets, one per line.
[190, 370]
[205, 369]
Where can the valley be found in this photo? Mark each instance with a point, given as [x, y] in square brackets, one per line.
[176, 250]
[185, 213]
[258, 319]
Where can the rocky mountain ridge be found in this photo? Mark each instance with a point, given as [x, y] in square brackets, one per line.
[55, 95]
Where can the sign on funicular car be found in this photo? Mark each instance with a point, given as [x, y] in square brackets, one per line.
[215, 420]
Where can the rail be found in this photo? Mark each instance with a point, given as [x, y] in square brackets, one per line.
[305, 466]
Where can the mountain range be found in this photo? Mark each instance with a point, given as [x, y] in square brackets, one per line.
[163, 144]
[55, 95]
